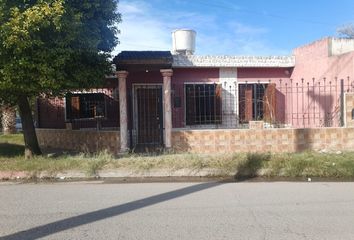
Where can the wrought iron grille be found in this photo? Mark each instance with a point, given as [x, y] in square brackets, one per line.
[203, 104]
[85, 109]
[281, 103]
[147, 116]
[97, 108]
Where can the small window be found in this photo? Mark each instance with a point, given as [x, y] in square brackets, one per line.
[85, 106]
[203, 104]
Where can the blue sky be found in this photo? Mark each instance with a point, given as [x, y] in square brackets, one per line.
[243, 27]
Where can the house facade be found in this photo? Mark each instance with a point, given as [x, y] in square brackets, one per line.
[156, 95]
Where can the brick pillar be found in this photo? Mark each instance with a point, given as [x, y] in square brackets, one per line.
[167, 112]
[123, 121]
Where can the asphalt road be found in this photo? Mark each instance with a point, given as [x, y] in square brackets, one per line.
[245, 210]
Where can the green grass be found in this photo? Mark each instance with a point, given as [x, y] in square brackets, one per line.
[224, 162]
[240, 165]
[11, 145]
[311, 164]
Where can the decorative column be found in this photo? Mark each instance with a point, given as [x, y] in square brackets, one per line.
[167, 112]
[122, 83]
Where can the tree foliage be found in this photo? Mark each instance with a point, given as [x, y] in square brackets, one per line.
[51, 46]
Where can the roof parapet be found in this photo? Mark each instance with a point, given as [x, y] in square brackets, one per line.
[182, 61]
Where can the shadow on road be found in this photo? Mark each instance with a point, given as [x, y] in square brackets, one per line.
[72, 222]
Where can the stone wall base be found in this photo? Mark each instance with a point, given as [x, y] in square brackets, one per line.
[79, 140]
[263, 140]
[210, 141]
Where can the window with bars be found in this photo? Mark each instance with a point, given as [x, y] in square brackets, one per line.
[85, 106]
[257, 102]
[203, 104]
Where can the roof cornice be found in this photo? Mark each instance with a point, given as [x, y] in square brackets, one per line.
[193, 61]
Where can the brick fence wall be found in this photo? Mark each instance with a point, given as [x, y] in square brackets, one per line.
[210, 141]
[269, 140]
[79, 140]
[264, 140]
[215, 140]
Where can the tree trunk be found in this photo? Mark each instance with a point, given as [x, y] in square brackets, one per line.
[8, 119]
[31, 142]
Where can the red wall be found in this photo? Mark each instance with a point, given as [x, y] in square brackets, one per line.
[181, 76]
[50, 113]
[143, 77]
[280, 76]
[263, 74]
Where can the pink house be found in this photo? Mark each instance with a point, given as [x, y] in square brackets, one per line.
[156, 93]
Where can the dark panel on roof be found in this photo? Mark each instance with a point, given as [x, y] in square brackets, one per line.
[143, 55]
[138, 60]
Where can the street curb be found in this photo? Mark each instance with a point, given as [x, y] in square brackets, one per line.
[112, 173]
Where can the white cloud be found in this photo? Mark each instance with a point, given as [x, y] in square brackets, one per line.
[130, 8]
[144, 27]
[139, 30]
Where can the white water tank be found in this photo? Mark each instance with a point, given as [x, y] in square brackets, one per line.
[183, 41]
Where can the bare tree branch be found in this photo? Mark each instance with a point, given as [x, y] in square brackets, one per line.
[346, 31]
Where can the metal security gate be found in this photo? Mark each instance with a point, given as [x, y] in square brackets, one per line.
[148, 119]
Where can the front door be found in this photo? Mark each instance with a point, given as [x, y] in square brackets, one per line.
[148, 112]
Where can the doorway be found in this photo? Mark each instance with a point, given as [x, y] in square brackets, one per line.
[148, 118]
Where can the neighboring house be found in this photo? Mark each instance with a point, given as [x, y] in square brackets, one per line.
[161, 91]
